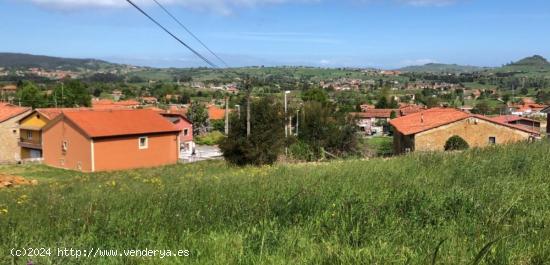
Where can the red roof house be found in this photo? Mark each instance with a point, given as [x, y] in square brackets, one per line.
[429, 130]
[106, 140]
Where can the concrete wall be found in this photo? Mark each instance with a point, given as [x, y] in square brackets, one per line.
[475, 131]
[118, 153]
[78, 154]
[10, 152]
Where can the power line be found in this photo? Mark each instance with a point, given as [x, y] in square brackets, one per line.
[173, 36]
[190, 33]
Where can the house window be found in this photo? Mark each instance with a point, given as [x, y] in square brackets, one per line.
[492, 140]
[29, 135]
[65, 146]
[143, 142]
[185, 132]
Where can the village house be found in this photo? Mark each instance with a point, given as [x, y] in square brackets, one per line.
[8, 89]
[110, 104]
[106, 140]
[31, 127]
[547, 112]
[429, 130]
[184, 125]
[117, 94]
[527, 107]
[149, 100]
[372, 121]
[519, 121]
[10, 151]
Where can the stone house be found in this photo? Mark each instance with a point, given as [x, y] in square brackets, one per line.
[10, 151]
[429, 130]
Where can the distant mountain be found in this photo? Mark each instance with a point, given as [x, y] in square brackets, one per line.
[441, 68]
[20, 60]
[535, 62]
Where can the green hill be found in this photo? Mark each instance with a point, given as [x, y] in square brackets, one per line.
[490, 203]
[533, 63]
[441, 68]
[19, 60]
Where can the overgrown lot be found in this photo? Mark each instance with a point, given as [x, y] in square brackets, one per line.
[491, 205]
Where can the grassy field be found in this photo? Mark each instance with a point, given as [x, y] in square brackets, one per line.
[487, 205]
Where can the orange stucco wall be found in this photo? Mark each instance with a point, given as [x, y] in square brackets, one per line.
[78, 154]
[117, 153]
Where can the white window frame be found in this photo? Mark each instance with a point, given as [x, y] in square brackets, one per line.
[29, 135]
[146, 145]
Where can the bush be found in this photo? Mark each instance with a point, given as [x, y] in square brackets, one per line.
[212, 138]
[456, 143]
[301, 151]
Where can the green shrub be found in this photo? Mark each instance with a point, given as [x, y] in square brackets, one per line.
[301, 151]
[456, 143]
[211, 138]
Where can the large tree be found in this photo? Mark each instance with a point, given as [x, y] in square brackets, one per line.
[72, 93]
[326, 130]
[266, 140]
[29, 95]
[198, 115]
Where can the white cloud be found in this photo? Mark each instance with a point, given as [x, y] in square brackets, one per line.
[220, 6]
[428, 2]
[416, 62]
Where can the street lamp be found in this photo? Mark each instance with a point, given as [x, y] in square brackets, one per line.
[286, 110]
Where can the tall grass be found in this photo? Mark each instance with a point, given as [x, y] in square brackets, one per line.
[489, 206]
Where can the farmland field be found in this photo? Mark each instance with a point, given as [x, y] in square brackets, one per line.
[488, 205]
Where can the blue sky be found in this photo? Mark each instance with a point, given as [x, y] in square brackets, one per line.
[365, 33]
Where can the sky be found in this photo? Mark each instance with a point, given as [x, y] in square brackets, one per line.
[326, 33]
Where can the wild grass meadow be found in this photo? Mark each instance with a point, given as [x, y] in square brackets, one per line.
[488, 206]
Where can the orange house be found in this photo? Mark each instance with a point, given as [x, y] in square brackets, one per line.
[107, 140]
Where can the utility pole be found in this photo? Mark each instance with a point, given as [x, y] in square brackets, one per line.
[226, 116]
[247, 83]
[297, 121]
[286, 110]
[286, 117]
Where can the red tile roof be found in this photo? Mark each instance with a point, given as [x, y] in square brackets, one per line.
[52, 113]
[215, 113]
[8, 111]
[511, 118]
[109, 104]
[436, 117]
[428, 119]
[107, 123]
[376, 113]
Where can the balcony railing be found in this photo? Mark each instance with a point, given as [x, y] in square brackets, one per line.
[30, 143]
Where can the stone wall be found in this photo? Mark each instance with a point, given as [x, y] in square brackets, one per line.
[10, 152]
[475, 131]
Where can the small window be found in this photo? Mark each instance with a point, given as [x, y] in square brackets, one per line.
[143, 142]
[29, 135]
[65, 146]
[492, 140]
[186, 132]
